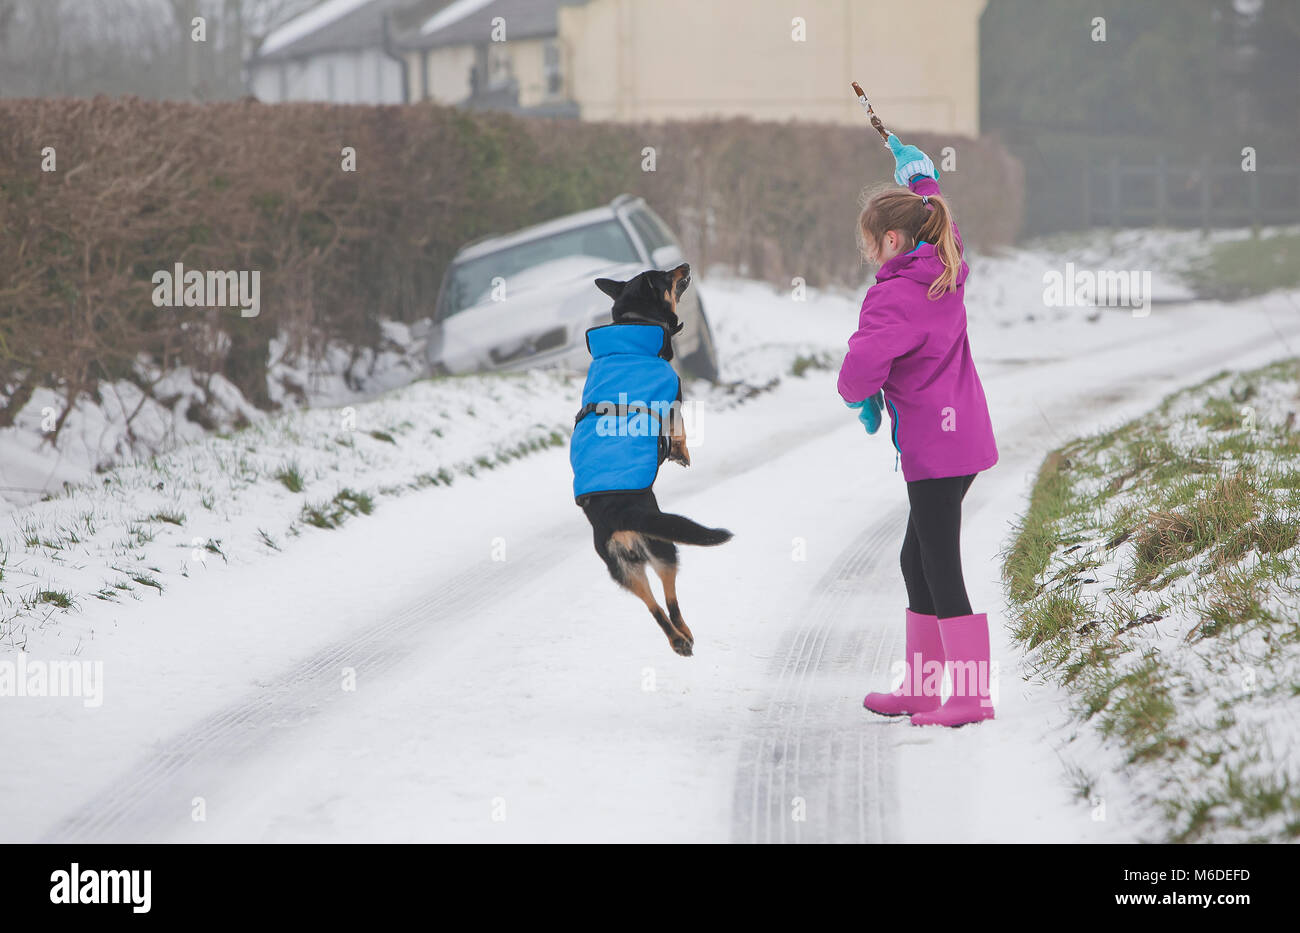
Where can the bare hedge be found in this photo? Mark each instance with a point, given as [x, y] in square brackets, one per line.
[143, 185]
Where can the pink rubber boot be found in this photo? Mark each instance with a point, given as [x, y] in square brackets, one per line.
[966, 650]
[924, 660]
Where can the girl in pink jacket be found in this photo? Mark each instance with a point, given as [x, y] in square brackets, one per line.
[910, 356]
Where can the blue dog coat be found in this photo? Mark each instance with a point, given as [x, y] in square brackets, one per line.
[618, 440]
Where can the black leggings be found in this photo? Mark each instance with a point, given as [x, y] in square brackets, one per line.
[931, 557]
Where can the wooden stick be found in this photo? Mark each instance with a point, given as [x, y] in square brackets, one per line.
[871, 114]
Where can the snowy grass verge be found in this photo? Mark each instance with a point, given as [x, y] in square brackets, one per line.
[239, 496]
[1156, 575]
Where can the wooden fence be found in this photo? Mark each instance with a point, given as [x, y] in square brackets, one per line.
[1193, 194]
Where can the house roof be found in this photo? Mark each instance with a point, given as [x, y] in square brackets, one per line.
[331, 26]
[342, 25]
[465, 22]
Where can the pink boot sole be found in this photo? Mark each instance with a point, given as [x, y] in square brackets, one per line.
[889, 704]
[953, 716]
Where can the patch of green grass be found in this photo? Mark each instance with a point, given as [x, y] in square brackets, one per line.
[1248, 267]
[443, 477]
[383, 436]
[1269, 534]
[1138, 708]
[1231, 598]
[1240, 799]
[59, 598]
[1056, 615]
[1220, 414]
[1039, 533]
[804, 362]
[137, 536]
[32, 538]
[319, 515]
[1081, 781]
[213, 546]
[291, 477]
[1172, 536]
[170, 516]
[336, 511]
[354, 501]
[145, 579]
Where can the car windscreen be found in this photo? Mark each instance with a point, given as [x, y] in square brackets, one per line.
[652, 231]
[469, 283]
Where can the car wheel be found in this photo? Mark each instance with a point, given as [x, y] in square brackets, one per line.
[703, 363]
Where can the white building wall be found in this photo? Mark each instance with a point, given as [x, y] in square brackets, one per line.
[365, 76]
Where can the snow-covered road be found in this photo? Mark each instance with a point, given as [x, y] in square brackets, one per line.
[505, 690]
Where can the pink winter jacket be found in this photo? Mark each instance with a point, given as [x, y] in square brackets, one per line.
[917, 351]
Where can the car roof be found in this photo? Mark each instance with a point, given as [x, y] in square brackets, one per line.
[546, 228]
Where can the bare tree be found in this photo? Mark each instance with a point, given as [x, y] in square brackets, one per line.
[53, 48]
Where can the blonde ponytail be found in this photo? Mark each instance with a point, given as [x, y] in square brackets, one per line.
[938, 230]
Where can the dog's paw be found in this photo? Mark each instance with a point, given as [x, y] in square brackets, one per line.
[682, 646]
[683, 631]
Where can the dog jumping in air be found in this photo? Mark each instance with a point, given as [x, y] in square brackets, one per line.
[630, 423]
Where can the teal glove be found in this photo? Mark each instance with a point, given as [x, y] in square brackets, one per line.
[910, 161]
[869, 411]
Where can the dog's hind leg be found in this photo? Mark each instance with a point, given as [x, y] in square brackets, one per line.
[663, 557]
[627, 562]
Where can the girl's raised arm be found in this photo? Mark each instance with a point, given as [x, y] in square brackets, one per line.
[913, 168]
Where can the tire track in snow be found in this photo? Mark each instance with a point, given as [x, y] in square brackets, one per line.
[157, 794]
[811, 749]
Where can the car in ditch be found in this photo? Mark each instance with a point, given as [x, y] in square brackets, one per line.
[526, 299]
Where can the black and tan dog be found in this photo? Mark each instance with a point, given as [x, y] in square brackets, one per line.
[629, 424]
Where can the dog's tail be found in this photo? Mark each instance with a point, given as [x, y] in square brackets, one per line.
[677, 528]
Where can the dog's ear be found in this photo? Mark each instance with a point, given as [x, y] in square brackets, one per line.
[610, 287]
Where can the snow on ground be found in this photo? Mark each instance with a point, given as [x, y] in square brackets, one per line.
[507, 690]
[98, 435]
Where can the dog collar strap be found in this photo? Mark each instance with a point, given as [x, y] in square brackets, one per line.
[643, 339]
